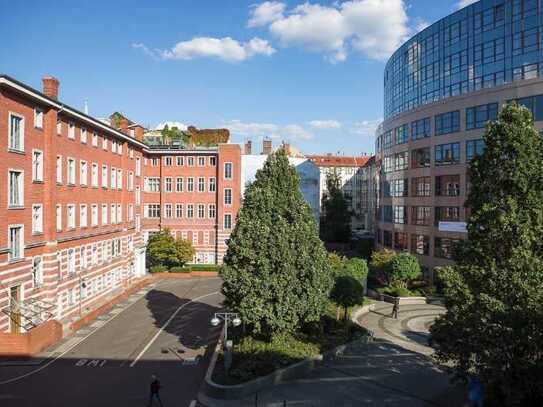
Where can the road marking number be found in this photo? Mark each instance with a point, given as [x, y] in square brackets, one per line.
[90, 363]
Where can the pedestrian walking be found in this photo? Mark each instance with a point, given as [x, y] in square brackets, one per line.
[396, 308]
[155, 391]
[475, 392]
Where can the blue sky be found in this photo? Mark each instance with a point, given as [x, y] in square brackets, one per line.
[309, 73]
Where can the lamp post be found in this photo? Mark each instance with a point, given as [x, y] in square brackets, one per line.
[228, 318]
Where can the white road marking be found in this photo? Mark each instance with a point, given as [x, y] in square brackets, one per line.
[192, 403]
[153, 339]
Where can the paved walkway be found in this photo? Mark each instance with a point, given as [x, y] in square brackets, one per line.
[394, 370]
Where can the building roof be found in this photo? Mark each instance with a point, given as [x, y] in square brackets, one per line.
[330, 160]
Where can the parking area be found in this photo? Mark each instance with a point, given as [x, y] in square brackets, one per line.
[163, 330]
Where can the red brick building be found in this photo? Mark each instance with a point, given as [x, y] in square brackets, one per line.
[78, 199]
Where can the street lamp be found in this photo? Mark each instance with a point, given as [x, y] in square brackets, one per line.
[228, 318]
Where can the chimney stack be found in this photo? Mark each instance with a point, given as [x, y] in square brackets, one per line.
[247, 150]
[266, 146]
[138, 133]
[286, 148]
[50, 87]
[123, 124]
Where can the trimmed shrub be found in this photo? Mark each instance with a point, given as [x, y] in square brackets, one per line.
[159, 269]
[403, 268]
[179, 269]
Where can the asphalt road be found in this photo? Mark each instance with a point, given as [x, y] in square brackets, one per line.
[166, 332]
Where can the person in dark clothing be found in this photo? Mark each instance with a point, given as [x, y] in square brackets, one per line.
[396, 308]
[155, 391]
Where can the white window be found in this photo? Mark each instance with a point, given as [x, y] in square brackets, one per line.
[71, 171]
[130, 181]
[83, 173]
[168, 211]
[71, 130]
[104, 143]
[201, 211]
[120, 148]
[138, 195]
[83, 133]
[38, 118]
[71, 216]
[83, 216]
[190, 161]
[113, 182]
[94, 215]
[104, 214]
[190, 211]
[15, 242]
[201, 184]
[154, 162]
[201, 161]
[37, 165]
[94, 139]
[59, 169]
[131, 152]
[179, 161]
[212, 161]
[104, 176]
[228, 196]
[168, 184]
[130, 212]
[37, 271]
[83, 257]
[212, 184]
[138, 223]
[179, 210]
[94, 175]
[119, 213]
[16, 132]
[59, 127]
[94, 257]
[168, 161]
[152, 210]
[37, 219]
[113, 216]
[152, 184]
[113, 146]
[179, 184]
[59, 217]
[138, 166]
[71, 261]
[119, 179]
[211, 211]
[16, 188]
[227, 170]
[227, 221]
[190, 184]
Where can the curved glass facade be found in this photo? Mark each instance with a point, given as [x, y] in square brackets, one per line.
[484, 45]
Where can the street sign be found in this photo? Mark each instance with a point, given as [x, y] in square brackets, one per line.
[458, 227]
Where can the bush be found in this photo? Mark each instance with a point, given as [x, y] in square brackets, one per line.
[204, 267]
[179, 269]
[159, 269]
[347, 292]
[397, 292]
[164, 249]
[402, 268]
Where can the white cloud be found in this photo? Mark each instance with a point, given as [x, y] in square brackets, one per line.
[225, 48]
[464, 3]
[421, 25]
[179, 125]
[265, 13]
[373, 27]
[366, 128]
[244, 129]
[325, 124]
[295, 132]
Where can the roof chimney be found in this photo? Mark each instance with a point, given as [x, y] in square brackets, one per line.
[123, 124]
[138, 133]
[247, 149]
[266, 146]
[50, 87]
[286, 148]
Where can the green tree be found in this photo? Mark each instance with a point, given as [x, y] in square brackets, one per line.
[347, 292]
[164, 250]
[401, 269]
[335, 225]
[380, 261]
[494, 294]
[276, 271]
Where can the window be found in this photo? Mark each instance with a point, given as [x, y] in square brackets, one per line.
[83, 176]
[399, 187]
[228, 196]
[201, 161]
[138, 195]
[104, 176]
[420, 244]
[420, 128]
[138, 167]
[119, 179]
[83, 257]
[227, 170]
[130, 212]
[179, 161]
[201, 211]
[119, 213]
[152, 184]
[113, 146]
[83, 216]
[59, 217]
[168, 210]
[83, 135]
[168, 184]
[16, 244]
[179, 184]
[104, 214]
[473, 148]
[71, 130]
[94, 175]
[59, 127]
[178, 210]
[104, 143]
[190, 184]
[421, 215]
[401, 161]
[190, 211]
[387, 238]
[16, 132]
[95, 139]
[154, 162]
[190, 161]
[448, 185]
[444, 247]
[388, 164]
[400, 241]
[130, 181]
[153, 210]
[387, 213]
[201, 184]
[227, 221]
[37, 219]
[71, 171]
[212, 184]
[400, 214]
[446, 214]
[59, 169]
[212, 161]
[71, 261]
[94, 215]
[211, 211]
[168, 161]
[38, 118]
[113, 214]
[478, 116]
[37, 166]
[401, 135]
[37, 271]
[120, 148]
[421, 186]
[420, 157]
[447, 154]
[113, 178]
[446, 123]
[16, 188]
[534, 104]
[71, 216]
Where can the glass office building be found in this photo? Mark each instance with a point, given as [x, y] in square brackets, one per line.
[440, 89]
